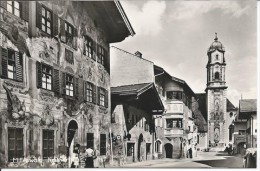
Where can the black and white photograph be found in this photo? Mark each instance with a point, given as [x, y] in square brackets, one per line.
[129, 84]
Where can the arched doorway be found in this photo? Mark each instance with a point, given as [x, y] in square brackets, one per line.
[240, 147]
[140, 140]
[168, 150]
[72, 128]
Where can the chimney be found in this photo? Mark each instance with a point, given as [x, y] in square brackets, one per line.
[138, 54]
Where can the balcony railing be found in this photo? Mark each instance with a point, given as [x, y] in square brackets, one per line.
[174, 106]
[171, 132]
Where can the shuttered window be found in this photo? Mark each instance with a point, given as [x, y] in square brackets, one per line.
[90, 140]
[101, 55]
[69, 30]
[14, 7]
[15, 144]
[69, 85]
[47, 77]
[89, 47]
[101, 97]
[48, 143]
[89, 91]
[46, 20]
[11, 64]
[102, 144]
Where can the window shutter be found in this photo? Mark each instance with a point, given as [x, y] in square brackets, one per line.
[4, 62]
[62, 30]
[94, 96]
[84, 46]
[56, 83]
[94, 51]
[0, 69]
[81, 89]
[106, 99]
[39, 74]
[98, 95]
[19, 66]
[107, 62]
[3, 4]
[25, 10]
[55, 25]
[38, 15]
[76, 87]
[75, 38]
[85, 90]
[63, 83]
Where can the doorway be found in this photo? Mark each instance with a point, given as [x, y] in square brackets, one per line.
[140, 140]
[72, 128]
[240, 147]
[168, 150]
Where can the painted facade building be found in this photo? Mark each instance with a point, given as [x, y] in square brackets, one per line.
[176, 129]
[219, 118]
[134, 102]
[55, 79]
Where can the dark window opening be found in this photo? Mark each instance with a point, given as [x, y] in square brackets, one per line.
[102, 144]
[130, 149]
[69, 56]
[48, 144]
[15, 144]
[69, 30]
[217, 75]
[174, 95]
[90, 140]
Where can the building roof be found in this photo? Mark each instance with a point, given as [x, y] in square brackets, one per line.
[111, 16]
[216, 45]
[202, 104]
[248, 105]
[130, 89]
[230, 106]
[143, 96]
[160, 71]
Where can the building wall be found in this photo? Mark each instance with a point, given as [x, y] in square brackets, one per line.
[252, 133]
[41, 107]
[220, 98]
[123, 126]
[125, 65]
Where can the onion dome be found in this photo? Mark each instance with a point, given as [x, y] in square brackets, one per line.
[216, 45]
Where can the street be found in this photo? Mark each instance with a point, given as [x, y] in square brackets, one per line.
[203, 160]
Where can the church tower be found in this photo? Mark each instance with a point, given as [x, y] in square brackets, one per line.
[216, 95]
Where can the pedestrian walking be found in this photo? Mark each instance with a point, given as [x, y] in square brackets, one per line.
[75, 159]
[90, 155]
[190, 152]
[244, 156]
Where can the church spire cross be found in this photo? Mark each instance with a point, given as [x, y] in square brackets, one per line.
[216, 36]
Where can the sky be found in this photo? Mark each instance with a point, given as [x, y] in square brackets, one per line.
[176, 35]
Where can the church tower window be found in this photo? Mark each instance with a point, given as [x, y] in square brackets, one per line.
[217, 75]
